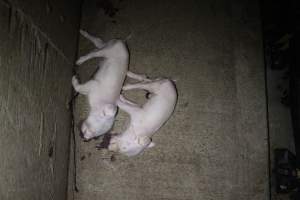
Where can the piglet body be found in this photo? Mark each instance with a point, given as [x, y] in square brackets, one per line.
[104, 89]
[145, 120]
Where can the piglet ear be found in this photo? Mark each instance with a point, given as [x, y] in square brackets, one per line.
[110, 110]
[152, 144]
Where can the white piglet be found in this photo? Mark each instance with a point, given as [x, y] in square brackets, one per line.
[104, 89]
[147, 119]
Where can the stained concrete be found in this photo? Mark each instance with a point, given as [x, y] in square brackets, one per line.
[215, 145]
[35, 88]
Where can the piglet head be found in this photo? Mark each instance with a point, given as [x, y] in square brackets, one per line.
[130, 145]
[98, 122]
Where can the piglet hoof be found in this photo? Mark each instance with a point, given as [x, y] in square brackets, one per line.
[80, 61]
[126, 87]
[75, 81]
[82, 32]
[122, 98]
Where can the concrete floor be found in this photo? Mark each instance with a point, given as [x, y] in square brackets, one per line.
[280, 122]
[215, 145]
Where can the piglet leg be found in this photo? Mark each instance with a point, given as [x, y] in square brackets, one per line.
[94, 54]
[82, 88]
[148, 86]
[96, 41]
[123, 99]
[139, 77]
[128, 106]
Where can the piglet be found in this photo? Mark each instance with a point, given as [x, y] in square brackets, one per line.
[104, 88]
[147, 119]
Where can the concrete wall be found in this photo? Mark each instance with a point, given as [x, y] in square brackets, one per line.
[37, 49]
[215, 145]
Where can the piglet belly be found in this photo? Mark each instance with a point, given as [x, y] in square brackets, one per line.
[153, 122]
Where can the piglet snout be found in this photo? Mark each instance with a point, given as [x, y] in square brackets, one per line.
[84, 139]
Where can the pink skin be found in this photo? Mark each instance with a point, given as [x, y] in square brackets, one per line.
[147, 119]
[104, 89]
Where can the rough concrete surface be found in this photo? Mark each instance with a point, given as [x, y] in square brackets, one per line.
[35, 88]
[215, 145]
[58, 19]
